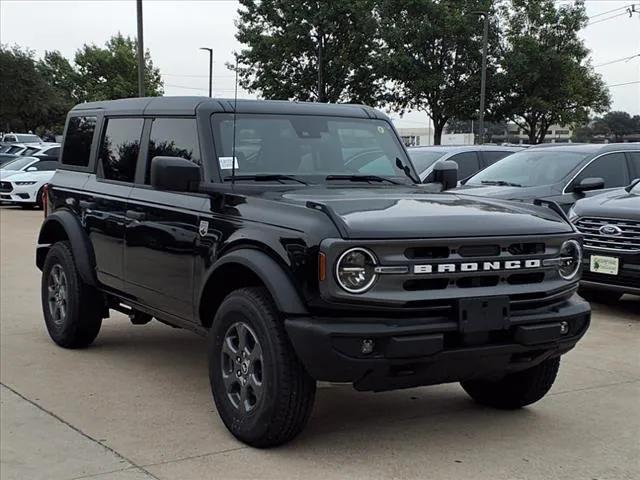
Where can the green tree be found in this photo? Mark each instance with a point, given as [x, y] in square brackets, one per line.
[618, 124]
[27, 98]
[431, 56]
[320, 50]
[112, 72]
[546, 78]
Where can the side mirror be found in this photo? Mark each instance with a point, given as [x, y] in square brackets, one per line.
[31, 169]
[587, 184]
[174, 174]
[631, 186]
[446, 173]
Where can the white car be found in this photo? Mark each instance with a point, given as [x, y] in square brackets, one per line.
[26, 164]
[25, 189]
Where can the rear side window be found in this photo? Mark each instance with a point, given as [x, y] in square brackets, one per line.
[46, 165]
[77, 142]
[119, 149]
[635, 164]
[493, 157]
[53, 152]
[173, 137]
[468, 164]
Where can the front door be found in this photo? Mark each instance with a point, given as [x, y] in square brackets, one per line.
[163, 228]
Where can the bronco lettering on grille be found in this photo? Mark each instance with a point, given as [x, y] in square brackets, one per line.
[476, 266]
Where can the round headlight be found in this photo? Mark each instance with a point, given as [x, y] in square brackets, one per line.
[355, 270]
[570, 259]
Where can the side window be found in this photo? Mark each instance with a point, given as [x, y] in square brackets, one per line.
[77, 142]
[468, 164]
[46, 165]
[173, 137]
[611, 167]
[493, 157]
[53, 152]
[119, 149]
[635, 164]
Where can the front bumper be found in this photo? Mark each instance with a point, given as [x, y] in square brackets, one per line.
[627, 280]
[414, 352]
[19, 194]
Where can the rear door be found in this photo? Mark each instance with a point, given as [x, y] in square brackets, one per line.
[104, 212]
[163, 227]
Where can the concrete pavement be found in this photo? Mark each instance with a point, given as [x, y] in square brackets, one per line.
[137, 405]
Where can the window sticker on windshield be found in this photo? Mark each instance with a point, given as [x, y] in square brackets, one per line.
[380, 129]
[225, 163]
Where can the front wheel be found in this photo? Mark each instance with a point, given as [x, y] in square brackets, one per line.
[72, 309]
[261, 390]
[517, 389]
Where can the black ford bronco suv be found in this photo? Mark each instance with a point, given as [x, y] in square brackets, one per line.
[296, 237]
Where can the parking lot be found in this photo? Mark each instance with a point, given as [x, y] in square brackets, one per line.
[137, 405]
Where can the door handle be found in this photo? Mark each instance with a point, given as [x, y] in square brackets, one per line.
[132, 214]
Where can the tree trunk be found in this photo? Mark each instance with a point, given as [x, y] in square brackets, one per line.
[438, 127]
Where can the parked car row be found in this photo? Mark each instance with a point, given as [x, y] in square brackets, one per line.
[24, 170]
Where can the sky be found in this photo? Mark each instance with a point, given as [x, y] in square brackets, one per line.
[175, 30]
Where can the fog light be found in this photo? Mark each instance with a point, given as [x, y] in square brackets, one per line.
[564, 328]
[367, 346]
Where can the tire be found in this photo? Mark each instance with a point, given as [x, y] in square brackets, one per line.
[515, 390]
[599, 296]
[278, 392]
[39, 201]
[73, 317]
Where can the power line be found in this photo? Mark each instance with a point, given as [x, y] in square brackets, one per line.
[609, 11]
[620, 84]
[194, 76]
[618, 60]
[606, 19]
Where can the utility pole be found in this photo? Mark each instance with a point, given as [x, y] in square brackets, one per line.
[483, 77]
[321, 89]
[140, 50]
[210, 50]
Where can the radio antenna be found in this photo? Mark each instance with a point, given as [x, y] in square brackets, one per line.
[235, 111]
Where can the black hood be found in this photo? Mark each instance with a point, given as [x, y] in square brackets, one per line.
[410, 213]
[616, 203]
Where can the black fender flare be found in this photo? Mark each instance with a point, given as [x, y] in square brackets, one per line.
[280, 286]
[83, 253]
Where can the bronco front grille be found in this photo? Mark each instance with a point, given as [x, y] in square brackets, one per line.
[610, 234]
[5, 187]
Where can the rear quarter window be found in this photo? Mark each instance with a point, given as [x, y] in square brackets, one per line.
[77, 142]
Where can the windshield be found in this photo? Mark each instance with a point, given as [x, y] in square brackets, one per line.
[423, 159]
[529, 168]
[309, 148]
[18, 164]
[28, 138]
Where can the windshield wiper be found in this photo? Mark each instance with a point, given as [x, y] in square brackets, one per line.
[500, 183]
[362, 178]
[269, 177]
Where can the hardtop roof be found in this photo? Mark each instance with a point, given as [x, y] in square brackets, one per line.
[190, 105]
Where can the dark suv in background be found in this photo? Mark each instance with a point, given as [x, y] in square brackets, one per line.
[563, 173]
[296, 237]
[469, 158]
[611, 226]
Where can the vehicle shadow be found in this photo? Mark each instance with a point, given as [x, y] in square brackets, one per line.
[628, 307]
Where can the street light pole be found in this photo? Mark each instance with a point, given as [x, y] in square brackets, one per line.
[140, 50]
[483, 77]
[210, 50]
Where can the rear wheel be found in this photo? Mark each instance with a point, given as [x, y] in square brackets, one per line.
[517, 389]
[72, 309]
[261, 390]
[39, 198]
[599, 296]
